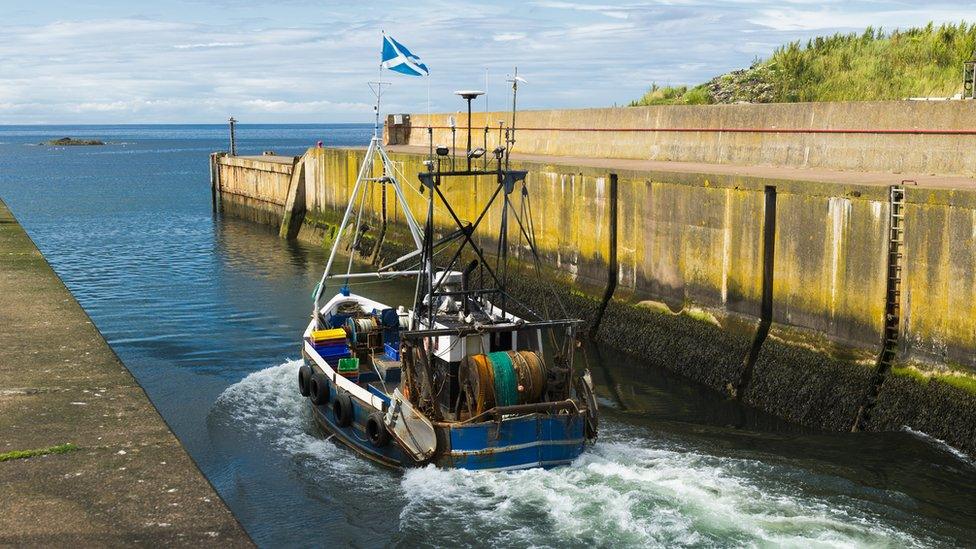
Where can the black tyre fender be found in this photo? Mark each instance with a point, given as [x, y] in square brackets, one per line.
[376, 430]
[318, 389]
[304, 376]
[342, 409]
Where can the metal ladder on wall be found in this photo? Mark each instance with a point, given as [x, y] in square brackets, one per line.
[892, 317]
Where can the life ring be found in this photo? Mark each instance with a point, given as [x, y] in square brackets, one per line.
[304, 374]
[318, 389]
[342, 409]
[376, 430]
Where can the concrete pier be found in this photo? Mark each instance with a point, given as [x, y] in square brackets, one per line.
[85, 458]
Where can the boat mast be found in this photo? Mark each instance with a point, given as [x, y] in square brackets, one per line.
[388, 177]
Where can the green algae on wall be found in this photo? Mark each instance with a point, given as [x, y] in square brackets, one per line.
[830, 264]
[695, 240]
[939, 278]
[691, 244]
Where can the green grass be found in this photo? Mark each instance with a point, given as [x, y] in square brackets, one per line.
[674, 95]
[23, 454]
[866, 66]
[958, 380]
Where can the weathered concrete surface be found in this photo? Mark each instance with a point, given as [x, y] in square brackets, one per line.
[273, 158]
[557, 132]
[924, 180]
[130, 482]
[257, 183]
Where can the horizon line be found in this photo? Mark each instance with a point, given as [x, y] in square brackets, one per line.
[370, 124]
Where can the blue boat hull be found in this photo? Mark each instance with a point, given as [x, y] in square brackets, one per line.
[519, 442]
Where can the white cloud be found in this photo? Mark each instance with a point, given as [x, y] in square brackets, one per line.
[272, 106]
[208, 45]
[616, 12]
[508, 36]
[828, 18]
[197, 61]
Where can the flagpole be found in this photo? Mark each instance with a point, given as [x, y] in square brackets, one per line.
[379, 89]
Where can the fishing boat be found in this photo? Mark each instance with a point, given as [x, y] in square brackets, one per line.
[465, 375]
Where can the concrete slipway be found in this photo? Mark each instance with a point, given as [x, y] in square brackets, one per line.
[125, 479]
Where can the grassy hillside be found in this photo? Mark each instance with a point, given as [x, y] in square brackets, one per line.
[873, 65]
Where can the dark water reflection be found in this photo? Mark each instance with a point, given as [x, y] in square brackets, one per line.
[206, 313]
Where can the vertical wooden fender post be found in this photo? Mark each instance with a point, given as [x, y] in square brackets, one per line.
[766, 307]
[291, 222]
[215, 179]
[612, 267]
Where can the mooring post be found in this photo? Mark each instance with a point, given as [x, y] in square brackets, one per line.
[766, 307]
[233, 141]
[612, 267]
[213, 181]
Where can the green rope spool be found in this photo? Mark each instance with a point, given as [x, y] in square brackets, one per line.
[506, 382]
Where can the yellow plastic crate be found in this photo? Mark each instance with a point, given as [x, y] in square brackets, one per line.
[324, 335]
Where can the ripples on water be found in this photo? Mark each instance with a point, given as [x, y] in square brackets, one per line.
[206, 312]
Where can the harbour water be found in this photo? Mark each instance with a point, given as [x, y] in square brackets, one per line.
[206, 311]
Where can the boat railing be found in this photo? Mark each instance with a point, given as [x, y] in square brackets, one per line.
[490, 328]
[521, 409]
[341, 382]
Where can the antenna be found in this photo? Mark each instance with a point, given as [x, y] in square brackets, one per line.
[510, 142]
[469, 96]
[377, 89]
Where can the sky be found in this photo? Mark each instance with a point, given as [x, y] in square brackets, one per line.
[286, 61]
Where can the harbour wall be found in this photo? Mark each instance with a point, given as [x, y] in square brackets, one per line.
[703, 260]
[889, 136]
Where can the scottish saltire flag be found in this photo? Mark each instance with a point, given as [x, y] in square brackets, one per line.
[397, 57]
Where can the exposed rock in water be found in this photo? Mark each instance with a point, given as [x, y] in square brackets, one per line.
[69, 142]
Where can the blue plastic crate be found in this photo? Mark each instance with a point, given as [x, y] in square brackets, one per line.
[391, 351]
[329, 352]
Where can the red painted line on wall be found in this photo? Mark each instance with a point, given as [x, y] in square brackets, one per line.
[741, 130]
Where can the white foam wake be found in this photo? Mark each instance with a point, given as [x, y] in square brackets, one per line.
[942, 445]
[628, 490]
[630, 494]
[268, 404]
